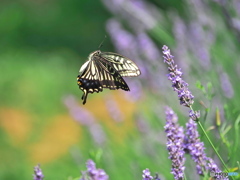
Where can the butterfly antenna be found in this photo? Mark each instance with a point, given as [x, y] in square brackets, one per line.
[102, 42]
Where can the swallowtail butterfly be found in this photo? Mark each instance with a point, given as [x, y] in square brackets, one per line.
[105, 70]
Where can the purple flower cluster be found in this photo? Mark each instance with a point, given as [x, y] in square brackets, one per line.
[194, 147]
[226, 85]
[80, 114]
[231, 14]
[139, 14]
[147, 175]
[86, 118]
[212, 167]
[179, 143]
[175, 146]
[198, 35]
[94, 173]
[114, 110]
[38, 175]
[192, 143]
[148, 48]
[178, 84]
[194, 115]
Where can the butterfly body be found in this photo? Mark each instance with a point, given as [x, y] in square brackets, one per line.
[105, 70]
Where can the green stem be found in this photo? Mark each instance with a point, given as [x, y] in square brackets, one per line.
[209, 140]
[215, 150]
[185, 178]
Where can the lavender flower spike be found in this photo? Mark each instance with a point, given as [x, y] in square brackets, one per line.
[94, 173]
[213, 168]
[195, 147]
[38, 175]
[178, 84]
[175, 146]
[146, 175]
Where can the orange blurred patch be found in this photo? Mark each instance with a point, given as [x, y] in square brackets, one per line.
[16, 124]
[120, 129]
[56, 140]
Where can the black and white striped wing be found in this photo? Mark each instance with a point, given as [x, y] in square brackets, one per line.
[96, 74]
[123, 65]
[109, 77]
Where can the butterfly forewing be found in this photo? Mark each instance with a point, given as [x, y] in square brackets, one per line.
[109, 76]
[105, 70]
[123, 65]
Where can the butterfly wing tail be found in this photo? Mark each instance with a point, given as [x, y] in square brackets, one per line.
[84, 96]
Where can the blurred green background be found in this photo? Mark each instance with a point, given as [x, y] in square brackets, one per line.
[42, 120]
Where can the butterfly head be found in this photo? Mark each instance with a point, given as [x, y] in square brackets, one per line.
[90, 57]
[94, 53]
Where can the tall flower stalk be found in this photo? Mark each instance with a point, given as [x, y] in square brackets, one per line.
[184, 95]
[175, 146]
[175, 76]
[195, 148]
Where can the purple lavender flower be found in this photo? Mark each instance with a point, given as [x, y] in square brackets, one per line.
[175, 146]
[146, 175]
[236, 6]
[138, 13]
[178, 84]
[141, 124]
[94, 173]
[125, 43]
[121, 38]
[79, 113]
[148, 47]
[194, 147]
[200, 46]
[136, 92]
[194, 115]
[212, 167]
[97, 133]
[38, 175]
[91, 168]
[226, 85]
[84, 117]
[180, 31]
[144, 12]
[114, 110]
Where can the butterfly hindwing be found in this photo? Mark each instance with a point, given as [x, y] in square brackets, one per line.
[105, 70]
